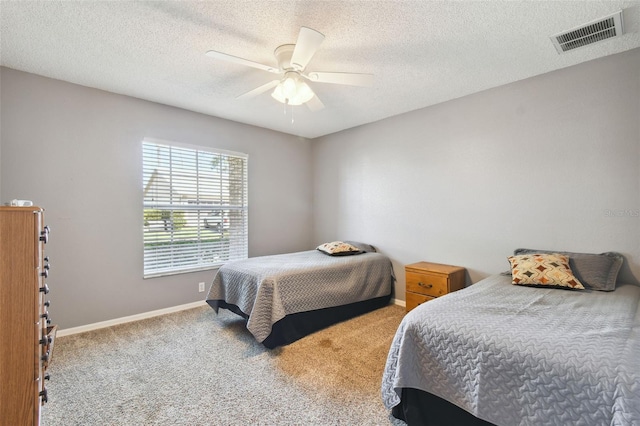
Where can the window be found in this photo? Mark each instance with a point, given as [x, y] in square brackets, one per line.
[195, 207]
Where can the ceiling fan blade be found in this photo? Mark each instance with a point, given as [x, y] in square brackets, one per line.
[241, 61]
[352, 79]
[308, 42]
[315, 104]
[259, 90]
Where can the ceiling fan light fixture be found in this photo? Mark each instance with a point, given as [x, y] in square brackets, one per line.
[278, 94]
[289, 87]
[292, 90]
[304, 92]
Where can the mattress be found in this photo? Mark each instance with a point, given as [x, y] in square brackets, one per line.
[266, 289]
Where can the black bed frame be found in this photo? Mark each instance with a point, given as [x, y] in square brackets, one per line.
[418, 407]
[295, 326]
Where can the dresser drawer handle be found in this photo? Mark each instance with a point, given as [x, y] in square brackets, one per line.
[44, 234]
[425, 285]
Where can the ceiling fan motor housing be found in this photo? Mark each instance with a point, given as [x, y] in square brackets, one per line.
[283, 56]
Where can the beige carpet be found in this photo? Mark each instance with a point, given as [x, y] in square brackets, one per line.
[198, 368]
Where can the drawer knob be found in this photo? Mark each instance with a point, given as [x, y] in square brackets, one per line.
[46, 317]
[423, 285]
[45, 289]
[43, 394]
[44, 235]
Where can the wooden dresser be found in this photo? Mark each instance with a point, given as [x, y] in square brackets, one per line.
[426, 281]
[26, 335]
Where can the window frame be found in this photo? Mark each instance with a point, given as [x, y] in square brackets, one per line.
[184, 243]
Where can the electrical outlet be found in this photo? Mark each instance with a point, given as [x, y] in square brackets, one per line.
[200, 287]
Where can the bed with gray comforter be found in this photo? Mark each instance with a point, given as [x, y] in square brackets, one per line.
[283, 297]
[514, 355]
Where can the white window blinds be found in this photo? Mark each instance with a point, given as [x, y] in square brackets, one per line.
[195, 208]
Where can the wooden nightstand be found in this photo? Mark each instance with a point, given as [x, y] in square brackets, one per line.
[426, 281]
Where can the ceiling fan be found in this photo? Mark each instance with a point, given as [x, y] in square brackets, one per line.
[290, 87]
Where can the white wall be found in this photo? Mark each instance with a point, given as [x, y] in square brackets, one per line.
[76, 152]
[551, 162]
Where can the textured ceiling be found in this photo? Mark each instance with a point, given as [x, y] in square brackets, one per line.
[420, 52]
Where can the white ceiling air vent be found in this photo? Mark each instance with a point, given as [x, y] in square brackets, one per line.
[592, 32]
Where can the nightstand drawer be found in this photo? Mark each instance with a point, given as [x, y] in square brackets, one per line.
[414, 300]
[428, 284]
[426, 281]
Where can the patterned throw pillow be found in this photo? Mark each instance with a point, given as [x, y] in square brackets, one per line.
[338, 248]
[546, 270]
[594, 271]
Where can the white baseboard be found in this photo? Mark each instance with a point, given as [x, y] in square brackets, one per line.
[151, 314]
[399, 302]
[131, 318]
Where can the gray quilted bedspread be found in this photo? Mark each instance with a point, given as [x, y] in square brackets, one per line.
[269, 287]
[516, 355]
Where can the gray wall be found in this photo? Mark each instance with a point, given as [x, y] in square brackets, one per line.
[76, 152]
[551, 162]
